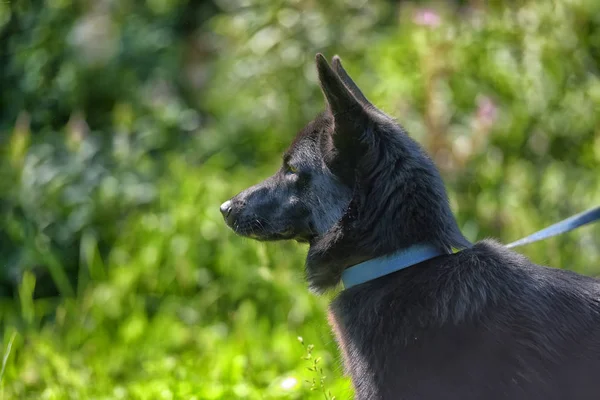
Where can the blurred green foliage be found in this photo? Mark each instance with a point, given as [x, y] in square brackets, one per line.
[123, 126]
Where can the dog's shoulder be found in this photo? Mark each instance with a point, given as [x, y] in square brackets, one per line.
[487, 276]
[492, 283]
[491, 260]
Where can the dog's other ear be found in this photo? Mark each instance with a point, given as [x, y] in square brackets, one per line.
[336, 62]
[350, 117]
[339, 97]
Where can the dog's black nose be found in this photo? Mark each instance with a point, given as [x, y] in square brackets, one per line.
[225, 208]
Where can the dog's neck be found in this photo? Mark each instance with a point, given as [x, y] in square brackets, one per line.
[399, 201]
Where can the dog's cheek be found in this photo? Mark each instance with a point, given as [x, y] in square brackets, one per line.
[298, 216]
[329, 200]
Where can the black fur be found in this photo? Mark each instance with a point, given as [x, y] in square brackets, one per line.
[484, 323]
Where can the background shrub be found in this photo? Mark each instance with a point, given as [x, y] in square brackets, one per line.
[123, 126]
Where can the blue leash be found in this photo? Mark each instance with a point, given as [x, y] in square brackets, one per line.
[381, 266]
[567, 225]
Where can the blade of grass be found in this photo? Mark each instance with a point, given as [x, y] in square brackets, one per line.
[6, 355]
[57, 272]
[90, 256]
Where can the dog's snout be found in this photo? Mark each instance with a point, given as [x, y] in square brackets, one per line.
[226, 208]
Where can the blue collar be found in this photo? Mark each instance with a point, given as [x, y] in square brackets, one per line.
[378, 267]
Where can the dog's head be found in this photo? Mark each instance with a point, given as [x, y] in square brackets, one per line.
[304, 198]
[352, 184]
[301, 201]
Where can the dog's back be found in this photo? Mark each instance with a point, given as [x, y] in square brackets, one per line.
[484, 323]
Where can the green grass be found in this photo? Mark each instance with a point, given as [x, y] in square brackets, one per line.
[183, 309]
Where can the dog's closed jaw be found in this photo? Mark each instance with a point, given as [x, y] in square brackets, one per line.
[269, 210]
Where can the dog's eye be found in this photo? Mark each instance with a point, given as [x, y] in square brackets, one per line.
[290, 169]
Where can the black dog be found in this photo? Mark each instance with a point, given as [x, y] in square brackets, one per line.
[483, 323]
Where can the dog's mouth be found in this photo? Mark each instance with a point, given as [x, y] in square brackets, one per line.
[259, 229]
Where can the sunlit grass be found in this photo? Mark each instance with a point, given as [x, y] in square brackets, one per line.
[157, 298]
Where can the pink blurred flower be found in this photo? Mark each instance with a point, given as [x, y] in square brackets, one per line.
[427, 17]
[487, 111]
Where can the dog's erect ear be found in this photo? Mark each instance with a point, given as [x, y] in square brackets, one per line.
[339, 97]
[336, 62]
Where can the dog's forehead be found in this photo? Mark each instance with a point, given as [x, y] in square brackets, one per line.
[309, 138]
